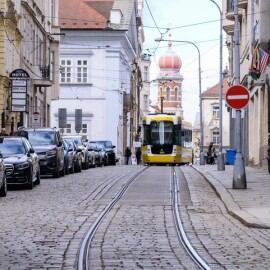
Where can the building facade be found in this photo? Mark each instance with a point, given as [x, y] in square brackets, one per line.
[100, 75]
[29, 33]
[254, 21]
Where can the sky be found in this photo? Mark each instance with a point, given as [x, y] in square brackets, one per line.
[197, 21]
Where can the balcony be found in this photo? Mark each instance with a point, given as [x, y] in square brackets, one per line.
[45, 72]
[243, 4]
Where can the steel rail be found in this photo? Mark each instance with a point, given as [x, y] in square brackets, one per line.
[82, 262]
[175, 195]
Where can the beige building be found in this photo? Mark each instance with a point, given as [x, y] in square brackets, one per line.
[211, 117]
[254, 21]
[29, 35]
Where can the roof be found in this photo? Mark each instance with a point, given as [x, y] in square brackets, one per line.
[93, 14]
[214, 90]
[84, 14]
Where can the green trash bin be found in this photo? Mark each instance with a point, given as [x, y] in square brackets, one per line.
[230, 155]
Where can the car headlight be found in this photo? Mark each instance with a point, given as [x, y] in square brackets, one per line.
[51, 153]
[22, 166]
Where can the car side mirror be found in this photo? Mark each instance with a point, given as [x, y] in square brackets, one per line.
[113, 146]
[60, 143]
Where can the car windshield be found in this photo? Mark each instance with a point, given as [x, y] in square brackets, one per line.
[78, 141]
[107, 144]
[37, 138]
[12, 147]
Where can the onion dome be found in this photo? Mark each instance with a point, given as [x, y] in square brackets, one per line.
[170, 62]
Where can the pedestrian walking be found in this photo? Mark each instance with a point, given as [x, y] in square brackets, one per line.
[127, 155]
[211, 153]
[138, 155]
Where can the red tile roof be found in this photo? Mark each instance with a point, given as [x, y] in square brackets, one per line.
[214, 90]
[84, 14]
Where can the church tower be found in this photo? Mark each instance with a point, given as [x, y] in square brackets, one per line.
[170, 82]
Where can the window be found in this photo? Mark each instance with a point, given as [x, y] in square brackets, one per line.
[81, 71]
[168, 93]
[68, 128]
[216, 111]
[145, 71]
[65, 71]
[145, 102]
[176, 93]
[215, 136]
[84, 128]
[74, 71]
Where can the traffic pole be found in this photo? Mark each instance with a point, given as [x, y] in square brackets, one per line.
[239, 174]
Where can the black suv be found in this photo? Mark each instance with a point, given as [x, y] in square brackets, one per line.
[109, 147]
[48, 144]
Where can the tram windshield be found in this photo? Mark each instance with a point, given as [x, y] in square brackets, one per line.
[159, 133]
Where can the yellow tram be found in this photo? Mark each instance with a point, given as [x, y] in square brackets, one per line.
[166, 140]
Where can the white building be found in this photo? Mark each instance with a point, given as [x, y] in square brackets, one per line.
[97, 48]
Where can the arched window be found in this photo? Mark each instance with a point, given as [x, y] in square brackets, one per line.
[168, 93]
[176, 93]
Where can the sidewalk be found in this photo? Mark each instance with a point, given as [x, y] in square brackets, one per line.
[252, 205]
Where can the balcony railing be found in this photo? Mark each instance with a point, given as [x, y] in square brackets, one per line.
[45, 72]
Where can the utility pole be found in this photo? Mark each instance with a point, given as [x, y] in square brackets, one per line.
[239, 175]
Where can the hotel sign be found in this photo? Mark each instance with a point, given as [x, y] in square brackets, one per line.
[19, 79]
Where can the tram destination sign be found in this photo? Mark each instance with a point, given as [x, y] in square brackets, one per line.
[237, 97]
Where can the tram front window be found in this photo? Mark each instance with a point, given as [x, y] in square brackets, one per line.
[161, 133]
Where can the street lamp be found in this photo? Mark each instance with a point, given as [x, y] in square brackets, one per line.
[202, 158]
[220, 159]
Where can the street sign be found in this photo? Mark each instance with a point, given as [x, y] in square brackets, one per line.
[237, 97]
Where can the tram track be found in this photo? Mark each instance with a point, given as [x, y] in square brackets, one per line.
[83, 262]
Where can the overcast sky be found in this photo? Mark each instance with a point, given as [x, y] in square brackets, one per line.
[197, 21]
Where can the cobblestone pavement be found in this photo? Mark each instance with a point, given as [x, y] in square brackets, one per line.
[42, 228]
[229, 242]
[139, 232]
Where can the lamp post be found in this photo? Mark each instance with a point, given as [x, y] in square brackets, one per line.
[220, 159]
[239, 174]
[202, 158]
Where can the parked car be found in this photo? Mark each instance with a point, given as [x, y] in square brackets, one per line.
[110, 151]
[68, 158]
[76, 153]
[79, 142]
[21, 161]
[48, 144]
[93, 148]
[104, 154]
[3, 179]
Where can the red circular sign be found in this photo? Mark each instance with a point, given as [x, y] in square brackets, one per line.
[237, 97]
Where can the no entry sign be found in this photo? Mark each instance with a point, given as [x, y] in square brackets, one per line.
[237, 97]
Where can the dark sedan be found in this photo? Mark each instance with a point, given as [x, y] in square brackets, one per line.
[76, 153]
[21, 161]
[3, 180]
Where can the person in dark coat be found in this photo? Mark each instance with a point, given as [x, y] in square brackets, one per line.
[211, 153]
[127, 155]
[138, 155]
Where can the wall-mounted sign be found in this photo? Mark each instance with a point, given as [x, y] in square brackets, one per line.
[19, 74]
[19, 79]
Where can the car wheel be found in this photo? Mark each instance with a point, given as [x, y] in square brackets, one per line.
[71, 170]
[37, 182]
[30, 183]
[56, 174]
[67, 170]
[3, 188]
[63, 171]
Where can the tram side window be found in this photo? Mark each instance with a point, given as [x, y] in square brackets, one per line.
[187, 138]
[177, 134]
[146, 134]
